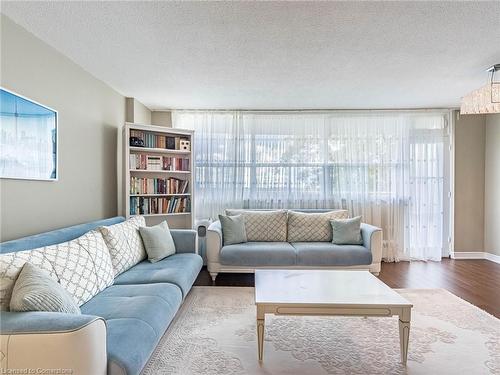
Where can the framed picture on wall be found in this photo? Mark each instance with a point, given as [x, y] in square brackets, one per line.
[28, 138]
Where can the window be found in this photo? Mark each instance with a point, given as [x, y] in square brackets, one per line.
[387, 166]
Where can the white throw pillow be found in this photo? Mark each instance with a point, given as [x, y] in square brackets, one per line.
[312, 227]
[125, 243]
[263, 226]
[82, 266]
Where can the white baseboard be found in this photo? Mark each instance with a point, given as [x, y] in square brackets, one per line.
[493, 257]
[459, 255]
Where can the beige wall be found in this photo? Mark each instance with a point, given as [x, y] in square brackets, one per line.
[161, 118]
[137, 112]
[90, 115]
[469, 183]
[492, 185]
[142, 114]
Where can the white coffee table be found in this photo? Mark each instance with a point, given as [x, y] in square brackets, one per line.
[328, 292]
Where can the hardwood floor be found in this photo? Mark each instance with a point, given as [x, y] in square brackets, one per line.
[476, 281]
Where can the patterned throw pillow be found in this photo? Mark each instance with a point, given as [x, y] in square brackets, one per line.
[94, 243]
[263, 226]
[125, 243]
[82, 266]
[312, 227]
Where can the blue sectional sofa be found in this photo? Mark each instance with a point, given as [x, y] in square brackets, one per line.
[119, 327]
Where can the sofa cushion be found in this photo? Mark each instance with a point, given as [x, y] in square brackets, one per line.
[233, 229]
[312, 227]
[125, 243]
[266, 226]
[11, 265]
[158, 241]
[329, 254]
[82, 267]
[178, 269]
[35, 290]
[347, 231]
[136, 318]
[256, 254]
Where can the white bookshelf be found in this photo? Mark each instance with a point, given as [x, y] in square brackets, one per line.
[177, 220]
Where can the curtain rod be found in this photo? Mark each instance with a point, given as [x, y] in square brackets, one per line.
[309, 110]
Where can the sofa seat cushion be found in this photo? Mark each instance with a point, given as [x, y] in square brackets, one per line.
[328, 254]
[136, 318]
[178, 269]
[258, 254]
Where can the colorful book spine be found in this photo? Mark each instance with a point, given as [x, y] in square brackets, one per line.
[168, 205]
[153, 140]
[139, 185]
[157, 163]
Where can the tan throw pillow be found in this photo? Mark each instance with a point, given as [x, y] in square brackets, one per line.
[312, 227]
[125, 243]
[81, 266]
[263, 226]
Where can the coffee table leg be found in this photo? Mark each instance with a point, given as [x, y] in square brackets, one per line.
[404, 333]
[260, 331]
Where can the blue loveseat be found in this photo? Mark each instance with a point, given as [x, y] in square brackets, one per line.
[285, 252]
[119, 328]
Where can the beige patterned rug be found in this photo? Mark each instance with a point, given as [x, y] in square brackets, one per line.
[214, 333]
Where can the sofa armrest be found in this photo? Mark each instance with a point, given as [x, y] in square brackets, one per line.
[13, 323]
[214, 241]
[372, 239]
[49, 340]
[186, 240]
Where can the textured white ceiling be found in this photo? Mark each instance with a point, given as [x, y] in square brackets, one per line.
[275, 55]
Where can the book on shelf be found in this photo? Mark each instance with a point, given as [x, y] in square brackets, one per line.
[171, 185]
[168, 205]
[170, 143]
[153, 140]
[158, 163]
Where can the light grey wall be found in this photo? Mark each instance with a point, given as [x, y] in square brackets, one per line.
[469, 183]
[142, 114]
[492, 185]
[137, 112]
[161, 118]
[90, 116]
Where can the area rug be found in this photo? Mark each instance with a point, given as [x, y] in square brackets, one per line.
[215, 333]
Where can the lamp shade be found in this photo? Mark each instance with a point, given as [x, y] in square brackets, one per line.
[485, 99]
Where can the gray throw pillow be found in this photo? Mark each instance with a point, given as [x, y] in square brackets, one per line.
[347, 231]
[35, 290]
[233, 229]
[158, 241]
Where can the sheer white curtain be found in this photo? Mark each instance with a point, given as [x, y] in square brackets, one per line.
[385, 166]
